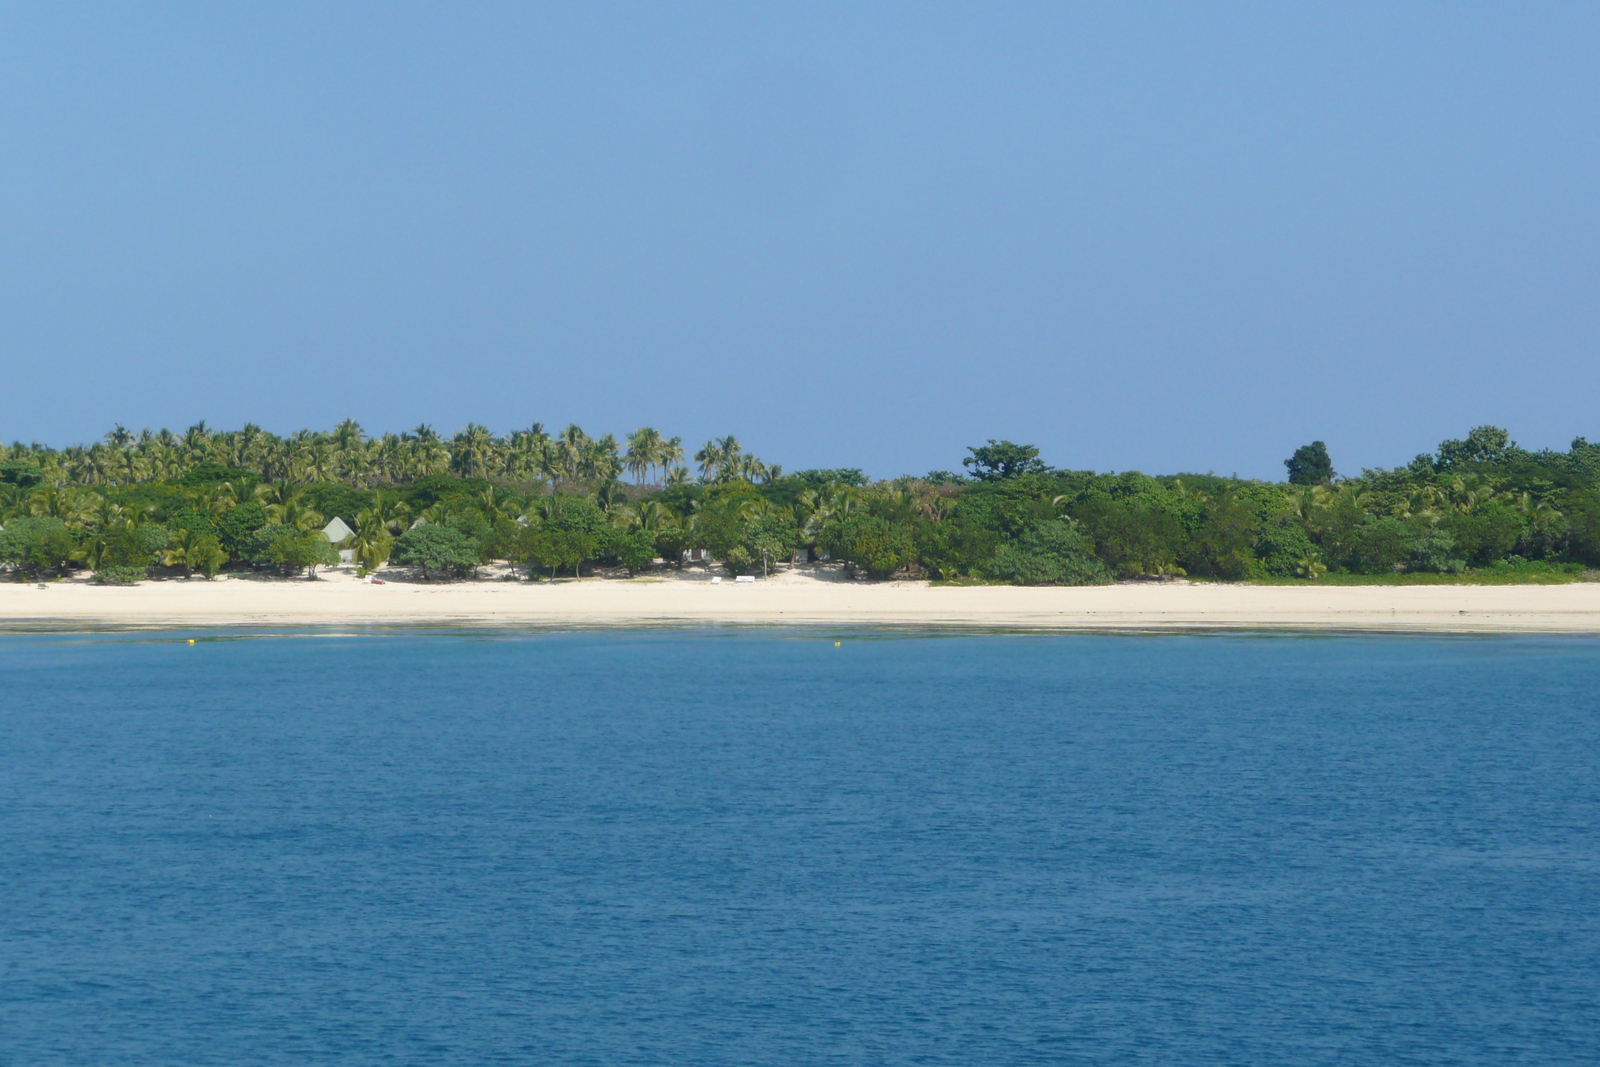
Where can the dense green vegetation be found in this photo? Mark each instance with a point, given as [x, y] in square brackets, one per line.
[1479, 508]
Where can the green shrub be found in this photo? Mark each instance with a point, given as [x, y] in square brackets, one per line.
[1484, 535]
[34, 546]
[634, 549]
[478, 531]
[290, 549]
[1223, 545]
[257, 548]
[437, 549]
[137, 547]
[195, 551]
[293, 551]
[772, 536]
[1534, 568]
[196, 522]
[671, 543]
[118, 575]
[1384, 545]
[1285, 549]
[240, 521]
[432, 488]
[869, 543]
[21, 472]
[1050, 553]
[570, 532]
[1434, 551]
[1133, 537]
[549, 546]
[574, 513]
[740, 560]
[719, 525]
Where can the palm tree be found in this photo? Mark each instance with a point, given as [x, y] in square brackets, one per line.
[1305, 502]
[724, 459]
[249, 444]
[75, 507]
[134, 465]
[644, 452]
[710, 459]
[936, 507]
[430, 457]
[216, 500]
[653, 515]
[96, 465]
[551, 460]
[608, 494]
[269, 493]
[94, 549]
[319, 460]
[495, 504]
[374, 537]
[1421, 503]
[388, 460]
[13, 501]
[110, 516]
[291, 509]
[527, 451]
[1526, 503]
[539, 509]
[1348, 498]
[600, 459]
[822, 510]
[355, 464]
[573, 446]
[388, 513]
[348, 434]
[1469, 494]
[750, 469]
[194, 551]
[471, 449]
[669, 453]
[434, 513]
[195, 439]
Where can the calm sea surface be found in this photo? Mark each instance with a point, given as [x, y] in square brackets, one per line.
[710, 849]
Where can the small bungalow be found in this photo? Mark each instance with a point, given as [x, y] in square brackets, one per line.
[337, 531]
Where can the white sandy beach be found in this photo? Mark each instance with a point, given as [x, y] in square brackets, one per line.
[817, 595]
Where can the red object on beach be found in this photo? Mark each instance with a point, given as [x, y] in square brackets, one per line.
[378, 581]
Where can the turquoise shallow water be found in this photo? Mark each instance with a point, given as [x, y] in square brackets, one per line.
[761, 849]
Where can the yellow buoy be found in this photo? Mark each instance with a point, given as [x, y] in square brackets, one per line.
[836, 644]
[191, 640]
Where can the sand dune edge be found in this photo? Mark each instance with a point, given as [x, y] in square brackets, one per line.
[796, 599]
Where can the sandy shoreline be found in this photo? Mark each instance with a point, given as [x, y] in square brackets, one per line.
[799, 599]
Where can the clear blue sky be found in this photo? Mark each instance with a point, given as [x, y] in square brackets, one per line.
[1162, 237]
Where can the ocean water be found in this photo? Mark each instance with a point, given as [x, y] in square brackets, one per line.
[763, 848]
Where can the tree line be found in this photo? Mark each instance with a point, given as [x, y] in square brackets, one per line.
[565, 503]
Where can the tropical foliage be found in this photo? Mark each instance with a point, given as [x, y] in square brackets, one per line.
[565, 503]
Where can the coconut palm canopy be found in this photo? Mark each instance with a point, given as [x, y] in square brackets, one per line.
[564, 502]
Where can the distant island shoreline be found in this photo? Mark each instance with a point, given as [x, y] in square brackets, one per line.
[535, 506]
